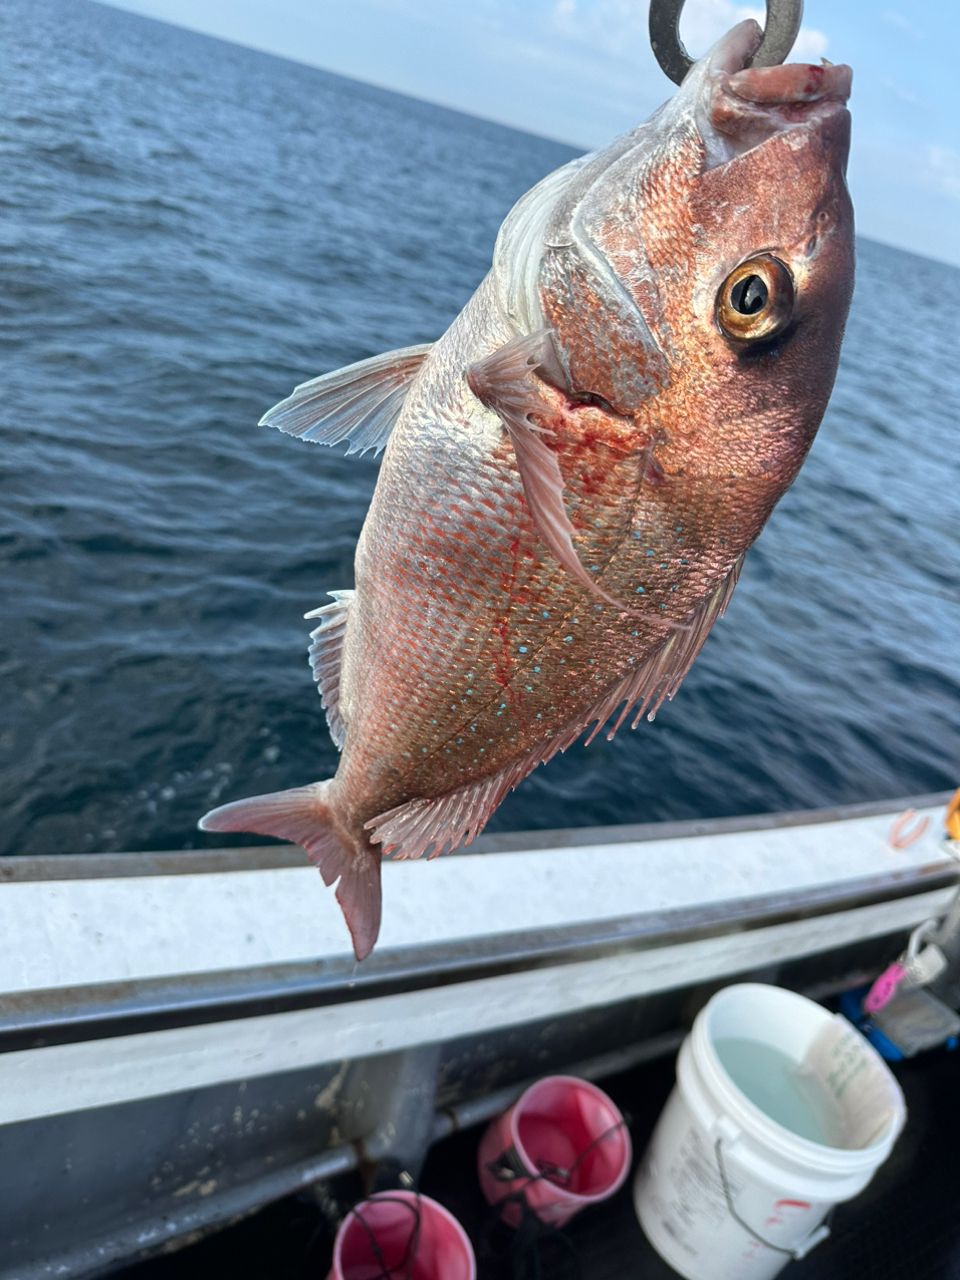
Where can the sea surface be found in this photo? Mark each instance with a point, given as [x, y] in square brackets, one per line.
[187, 229]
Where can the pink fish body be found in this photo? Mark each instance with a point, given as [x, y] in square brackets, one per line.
[575, 470]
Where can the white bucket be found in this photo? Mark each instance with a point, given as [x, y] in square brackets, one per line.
[726, 1191]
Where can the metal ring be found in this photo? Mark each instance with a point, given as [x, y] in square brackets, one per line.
[779, 33]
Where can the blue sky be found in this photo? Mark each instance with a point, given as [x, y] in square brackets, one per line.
[582, 71]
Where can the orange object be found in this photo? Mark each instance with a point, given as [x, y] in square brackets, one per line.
[952, 818]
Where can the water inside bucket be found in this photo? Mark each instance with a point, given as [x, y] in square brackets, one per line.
[770, 1079]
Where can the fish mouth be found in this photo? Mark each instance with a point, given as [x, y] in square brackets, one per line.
[741, 107]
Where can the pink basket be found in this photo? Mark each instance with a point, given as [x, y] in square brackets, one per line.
[562, 1145]
[399, 1235]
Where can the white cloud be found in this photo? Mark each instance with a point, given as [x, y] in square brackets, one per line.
[710, 19]
[902, 93]
[615, 27]
[900, 21]
[810, 45]
[619, 27]
[943, 164]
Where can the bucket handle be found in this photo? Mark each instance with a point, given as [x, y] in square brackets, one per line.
[800, 1250]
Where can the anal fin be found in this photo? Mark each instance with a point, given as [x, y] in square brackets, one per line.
[644, 690]
[356, 405]
[436, 825]
[433, 826]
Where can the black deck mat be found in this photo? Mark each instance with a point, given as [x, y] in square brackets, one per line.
[905, 1226]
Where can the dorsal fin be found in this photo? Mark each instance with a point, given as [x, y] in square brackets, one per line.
[326, 654]
[358, 404]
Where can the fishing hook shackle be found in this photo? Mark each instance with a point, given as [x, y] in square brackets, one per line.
[779, 33]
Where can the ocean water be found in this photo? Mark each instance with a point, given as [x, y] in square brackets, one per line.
[188, 229]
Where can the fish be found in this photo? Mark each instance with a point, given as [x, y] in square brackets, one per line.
[573, 473]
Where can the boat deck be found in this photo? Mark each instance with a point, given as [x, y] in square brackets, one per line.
[188, 1037]
[905, 1226]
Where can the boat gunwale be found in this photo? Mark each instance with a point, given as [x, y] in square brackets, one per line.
[20, 868]
[62, 1015]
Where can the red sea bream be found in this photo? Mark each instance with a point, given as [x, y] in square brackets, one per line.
[576, 468]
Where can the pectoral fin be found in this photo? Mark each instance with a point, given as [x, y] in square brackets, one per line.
[357, 405]
[505, 382]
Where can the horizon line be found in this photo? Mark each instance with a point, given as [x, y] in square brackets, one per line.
[584, 148]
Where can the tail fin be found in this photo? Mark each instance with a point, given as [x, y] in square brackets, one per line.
[304, 816]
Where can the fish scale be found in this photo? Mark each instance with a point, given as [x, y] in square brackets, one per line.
[529, 616]
[575, 470]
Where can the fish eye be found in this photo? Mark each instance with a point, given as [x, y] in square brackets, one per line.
[756, 300]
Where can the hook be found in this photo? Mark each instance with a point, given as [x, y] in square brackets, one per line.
[779, 33]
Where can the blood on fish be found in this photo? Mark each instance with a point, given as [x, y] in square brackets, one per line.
[653, 473]
[815, 76]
